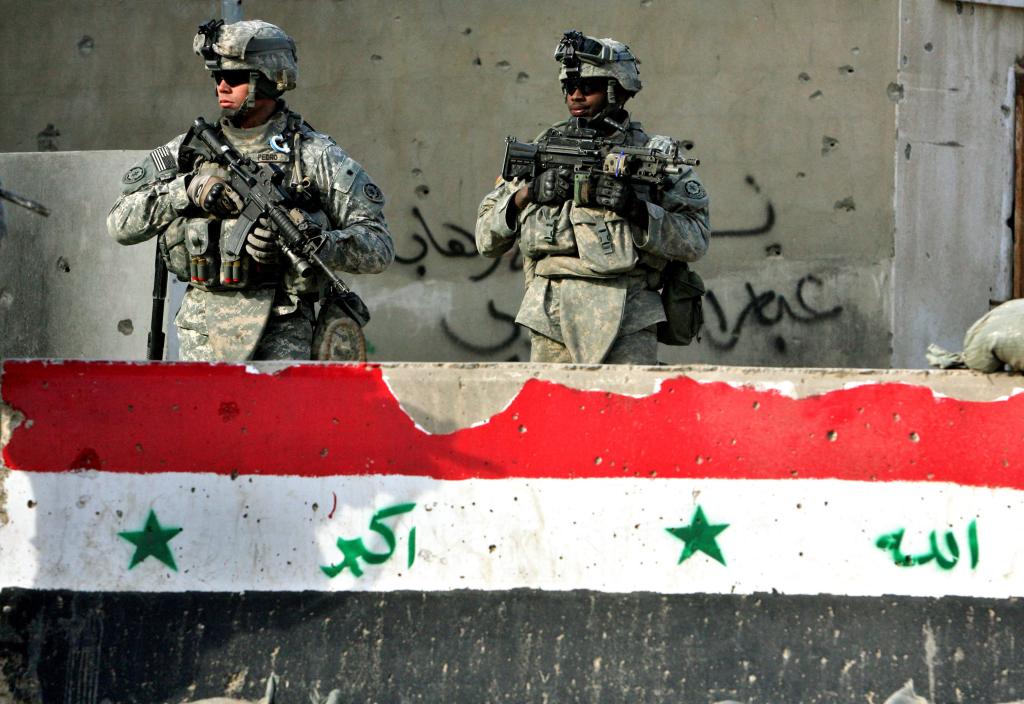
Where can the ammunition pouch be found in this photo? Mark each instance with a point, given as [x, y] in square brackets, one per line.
[173, 250]
[682, 296]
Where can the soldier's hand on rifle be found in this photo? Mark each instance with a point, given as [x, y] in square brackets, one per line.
[617, 195]
[551, 187]
[210, 192]
[261, 243]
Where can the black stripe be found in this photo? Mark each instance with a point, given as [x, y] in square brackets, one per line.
[516, 646]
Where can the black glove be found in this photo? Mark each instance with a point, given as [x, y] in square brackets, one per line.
[209, 191]
[552, 187]
[617, 195]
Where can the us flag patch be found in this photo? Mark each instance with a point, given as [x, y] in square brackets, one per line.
[163, 159]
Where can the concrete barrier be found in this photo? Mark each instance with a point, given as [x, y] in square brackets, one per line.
[486, 532]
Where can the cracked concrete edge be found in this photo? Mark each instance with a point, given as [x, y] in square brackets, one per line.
[459, 395]
[442, 397]
[10, 419]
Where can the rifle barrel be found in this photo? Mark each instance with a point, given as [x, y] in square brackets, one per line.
[24, 202]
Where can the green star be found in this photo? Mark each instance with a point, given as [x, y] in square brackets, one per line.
[699, 535]
[152, 540]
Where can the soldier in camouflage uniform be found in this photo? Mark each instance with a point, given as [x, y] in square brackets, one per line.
[254, 306]
[584, 304]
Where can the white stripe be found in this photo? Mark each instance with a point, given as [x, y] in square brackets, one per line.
[263, 533]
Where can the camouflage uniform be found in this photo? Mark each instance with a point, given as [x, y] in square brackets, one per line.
[271, 317]
[583, 304]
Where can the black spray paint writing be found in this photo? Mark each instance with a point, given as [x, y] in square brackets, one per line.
[767, 309]
[462, 247]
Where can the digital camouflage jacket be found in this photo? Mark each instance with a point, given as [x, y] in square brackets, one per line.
[154, 203]
[577, 292]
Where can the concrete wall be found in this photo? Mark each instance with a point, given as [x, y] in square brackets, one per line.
[837, 241]
[785, 103]
[954, 170]
[508, 532]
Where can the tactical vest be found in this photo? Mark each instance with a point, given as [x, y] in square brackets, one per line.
[193, 246]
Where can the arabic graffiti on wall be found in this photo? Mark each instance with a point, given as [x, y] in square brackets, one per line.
[507, 341]
[355, 549]
[945, 557]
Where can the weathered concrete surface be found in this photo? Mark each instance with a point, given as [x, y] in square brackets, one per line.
[785, 103]
[793, 107]
[66, 287]
[526, 644]
[954, 170]
[85, 296]
[514, 646]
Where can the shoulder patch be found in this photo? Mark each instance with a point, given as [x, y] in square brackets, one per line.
[373, 193]
[694, 189]
[163, 159]
[133, 175]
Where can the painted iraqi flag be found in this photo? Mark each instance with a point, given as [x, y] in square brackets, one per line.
[195, 477]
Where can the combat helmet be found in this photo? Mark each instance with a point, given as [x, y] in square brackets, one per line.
[264, 49]
[586, 57]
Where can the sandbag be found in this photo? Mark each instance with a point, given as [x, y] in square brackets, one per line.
[994, 343]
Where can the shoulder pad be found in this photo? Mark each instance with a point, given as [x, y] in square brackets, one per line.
[663, 144]
[344, 171]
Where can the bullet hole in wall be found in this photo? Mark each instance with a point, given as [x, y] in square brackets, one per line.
[503, 65]
[846, 204]
[62, 265]
[422, 190]
[125, 327]
[773, 250]
[928, 46]
[895, 92]
[828, 144]
[376, 58]
[686, 144]
[846, 70]
[46, 140]
[477, 62]
[523, 77]
[906, 152]
[816, 95]
[467, 30]
[804, 77]
[86, 45]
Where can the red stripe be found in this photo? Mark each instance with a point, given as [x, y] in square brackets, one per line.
[318, 420]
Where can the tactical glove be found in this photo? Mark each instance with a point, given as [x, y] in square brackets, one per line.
[209, 191]
[617, 195]
[261, 243]
[552, 187]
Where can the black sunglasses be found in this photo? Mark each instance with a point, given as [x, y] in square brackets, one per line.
[232, 78]
[587, 86]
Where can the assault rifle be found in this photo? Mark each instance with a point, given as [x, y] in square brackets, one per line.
[259, 186]
[588, 155]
